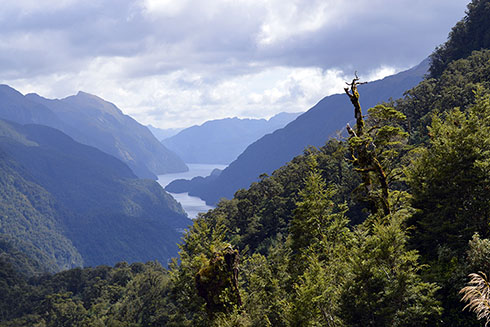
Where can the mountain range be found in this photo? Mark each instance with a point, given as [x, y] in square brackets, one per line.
[93, 121]
[312, 128]
[221, 141]
[320, 239]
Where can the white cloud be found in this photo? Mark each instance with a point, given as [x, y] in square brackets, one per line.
[181, 62]
[289, 18]
[380, 73]
[165, 8]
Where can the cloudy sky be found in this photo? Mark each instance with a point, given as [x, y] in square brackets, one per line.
[175, 63]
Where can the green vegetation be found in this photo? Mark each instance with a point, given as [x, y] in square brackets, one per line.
[469, 34]
[31, 236]
[313, 128]
[65, 205]
[381, 229]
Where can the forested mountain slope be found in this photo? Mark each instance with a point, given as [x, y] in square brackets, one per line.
[312, 128]
[316, 234]
[32, 237]
[469, 34]
[70, 202]
[378, 230]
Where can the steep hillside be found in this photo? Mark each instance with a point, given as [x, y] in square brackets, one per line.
[31, 232]
[64, 199]
[221, 141]
[469, 34]
[297, 248]
[93, 121]
[310, 129]
[15, 107]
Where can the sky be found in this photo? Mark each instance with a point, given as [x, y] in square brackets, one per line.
[176, 63]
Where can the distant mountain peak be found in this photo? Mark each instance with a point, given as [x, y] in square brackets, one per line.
[90, 96]
[91, 120]
[87, 95]
[89, 100]
[5, 89]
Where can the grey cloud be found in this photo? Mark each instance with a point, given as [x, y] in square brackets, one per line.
[394, 38]
[70, 36]
[223, 41]
[214, 40]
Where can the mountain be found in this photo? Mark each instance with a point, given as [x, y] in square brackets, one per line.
[65, 204]
[99, 123]
[91, 120]
[310, 129]
[31, 236]
[163, 133]
[294, 230]
[15, 107]
[221, 141]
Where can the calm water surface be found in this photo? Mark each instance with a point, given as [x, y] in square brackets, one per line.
[191, 204]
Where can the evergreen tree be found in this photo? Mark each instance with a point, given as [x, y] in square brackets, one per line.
[450, 180]
[469, 34]
[317, 222]
[319, 240]
[205, 283]
[145, 302]
[383, 286]
[266, 283]
[317, 291]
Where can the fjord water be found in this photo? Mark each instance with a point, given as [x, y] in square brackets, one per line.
[191, 204]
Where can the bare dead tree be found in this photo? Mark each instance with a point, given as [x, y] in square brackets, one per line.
[364, 159]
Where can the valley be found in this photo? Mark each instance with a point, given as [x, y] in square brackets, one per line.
[273, 164]
[191, 204]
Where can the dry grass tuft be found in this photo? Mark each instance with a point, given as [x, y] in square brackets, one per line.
[477, 294]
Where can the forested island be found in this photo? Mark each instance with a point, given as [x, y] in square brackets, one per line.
[382, 228]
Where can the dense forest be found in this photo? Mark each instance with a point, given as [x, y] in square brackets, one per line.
[65, 205]
[381, 228]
